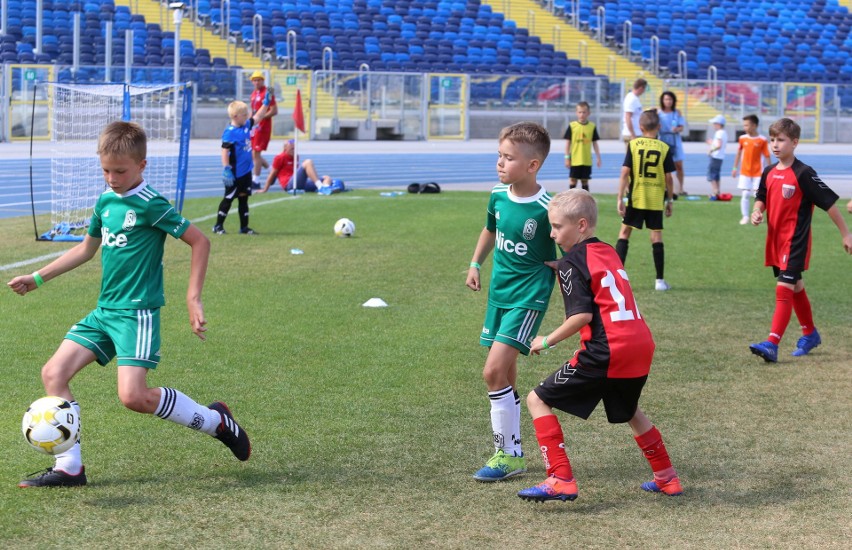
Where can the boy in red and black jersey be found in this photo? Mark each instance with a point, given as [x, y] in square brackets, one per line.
[788, 192]
[612, 364]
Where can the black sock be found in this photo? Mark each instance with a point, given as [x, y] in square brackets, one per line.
[243, 209]
[659, 258]
[621, 249]
[224, 207]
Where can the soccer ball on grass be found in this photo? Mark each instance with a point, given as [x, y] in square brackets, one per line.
[344, 227]
[51, 425]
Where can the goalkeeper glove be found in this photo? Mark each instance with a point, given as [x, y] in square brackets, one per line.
[267, 98]
[228, 176]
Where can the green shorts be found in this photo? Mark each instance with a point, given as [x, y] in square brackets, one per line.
[514, 327]
[131, 335]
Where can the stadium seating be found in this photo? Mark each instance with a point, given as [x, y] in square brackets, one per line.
[744, 39]
[403, 35]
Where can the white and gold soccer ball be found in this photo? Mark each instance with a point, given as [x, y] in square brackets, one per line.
[51, 425]
[344, 227]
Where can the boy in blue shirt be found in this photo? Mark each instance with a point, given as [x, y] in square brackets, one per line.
[237, 163]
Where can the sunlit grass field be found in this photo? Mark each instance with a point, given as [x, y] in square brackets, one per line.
[367, 424]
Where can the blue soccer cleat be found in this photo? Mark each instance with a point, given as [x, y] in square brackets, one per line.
[501, 466]
[671, 487]
[767, 350]
[553, 488]
[806, 344]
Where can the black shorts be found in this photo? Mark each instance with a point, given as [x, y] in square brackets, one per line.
[580, 172]
[634, 217]
[788, 276]
[242, 186]
[570, 390]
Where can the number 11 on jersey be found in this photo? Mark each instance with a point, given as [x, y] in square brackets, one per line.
[623, 314]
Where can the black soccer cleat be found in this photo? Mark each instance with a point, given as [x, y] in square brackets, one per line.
[54, 478]
[230, 433]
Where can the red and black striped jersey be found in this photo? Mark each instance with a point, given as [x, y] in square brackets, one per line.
[616, 343]
[790, 196]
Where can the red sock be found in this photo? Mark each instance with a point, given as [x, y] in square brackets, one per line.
[802, 307]
[552, 445]
[651, 443]
[783, 311]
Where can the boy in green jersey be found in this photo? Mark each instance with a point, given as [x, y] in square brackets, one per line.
[646, 179]
[517, 229]
[129, 224]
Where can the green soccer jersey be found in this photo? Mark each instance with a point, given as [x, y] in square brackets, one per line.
[519, 278]
[133, 230]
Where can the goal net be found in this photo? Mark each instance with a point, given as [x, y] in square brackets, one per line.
[76, 114]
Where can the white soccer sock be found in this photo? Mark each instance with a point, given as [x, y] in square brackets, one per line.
[180, 409]
[71, 461]
[516, 426]
[745, 203]
[505, 415]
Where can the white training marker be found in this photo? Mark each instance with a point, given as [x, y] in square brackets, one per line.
[375, 302]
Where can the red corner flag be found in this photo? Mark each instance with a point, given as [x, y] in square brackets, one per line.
[298, 117]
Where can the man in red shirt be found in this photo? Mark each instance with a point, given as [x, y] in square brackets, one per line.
[612, 364]
[262, 131]
[788, 192]
[306, 178]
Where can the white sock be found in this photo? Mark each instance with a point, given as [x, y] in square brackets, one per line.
[180, 409]
[516, 426]
[745, 203]
[71, 461]
[503, 420]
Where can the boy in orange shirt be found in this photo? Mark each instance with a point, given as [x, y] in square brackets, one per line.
[752, 156]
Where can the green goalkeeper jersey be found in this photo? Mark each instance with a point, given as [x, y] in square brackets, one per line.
[133, 230]
[519, 277]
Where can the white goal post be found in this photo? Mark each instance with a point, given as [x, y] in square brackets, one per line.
[76, 114]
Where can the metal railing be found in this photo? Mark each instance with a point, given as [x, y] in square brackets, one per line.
[654, 46]
[627, 37]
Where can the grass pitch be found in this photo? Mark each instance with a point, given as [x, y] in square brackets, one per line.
[367, 424]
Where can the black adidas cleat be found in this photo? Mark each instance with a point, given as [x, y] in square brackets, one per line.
[230, 433]
[54, 478]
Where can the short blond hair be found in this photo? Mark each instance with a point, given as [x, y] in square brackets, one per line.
[528, 133]
[237, 108]
[123, 139]
[575, 204]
